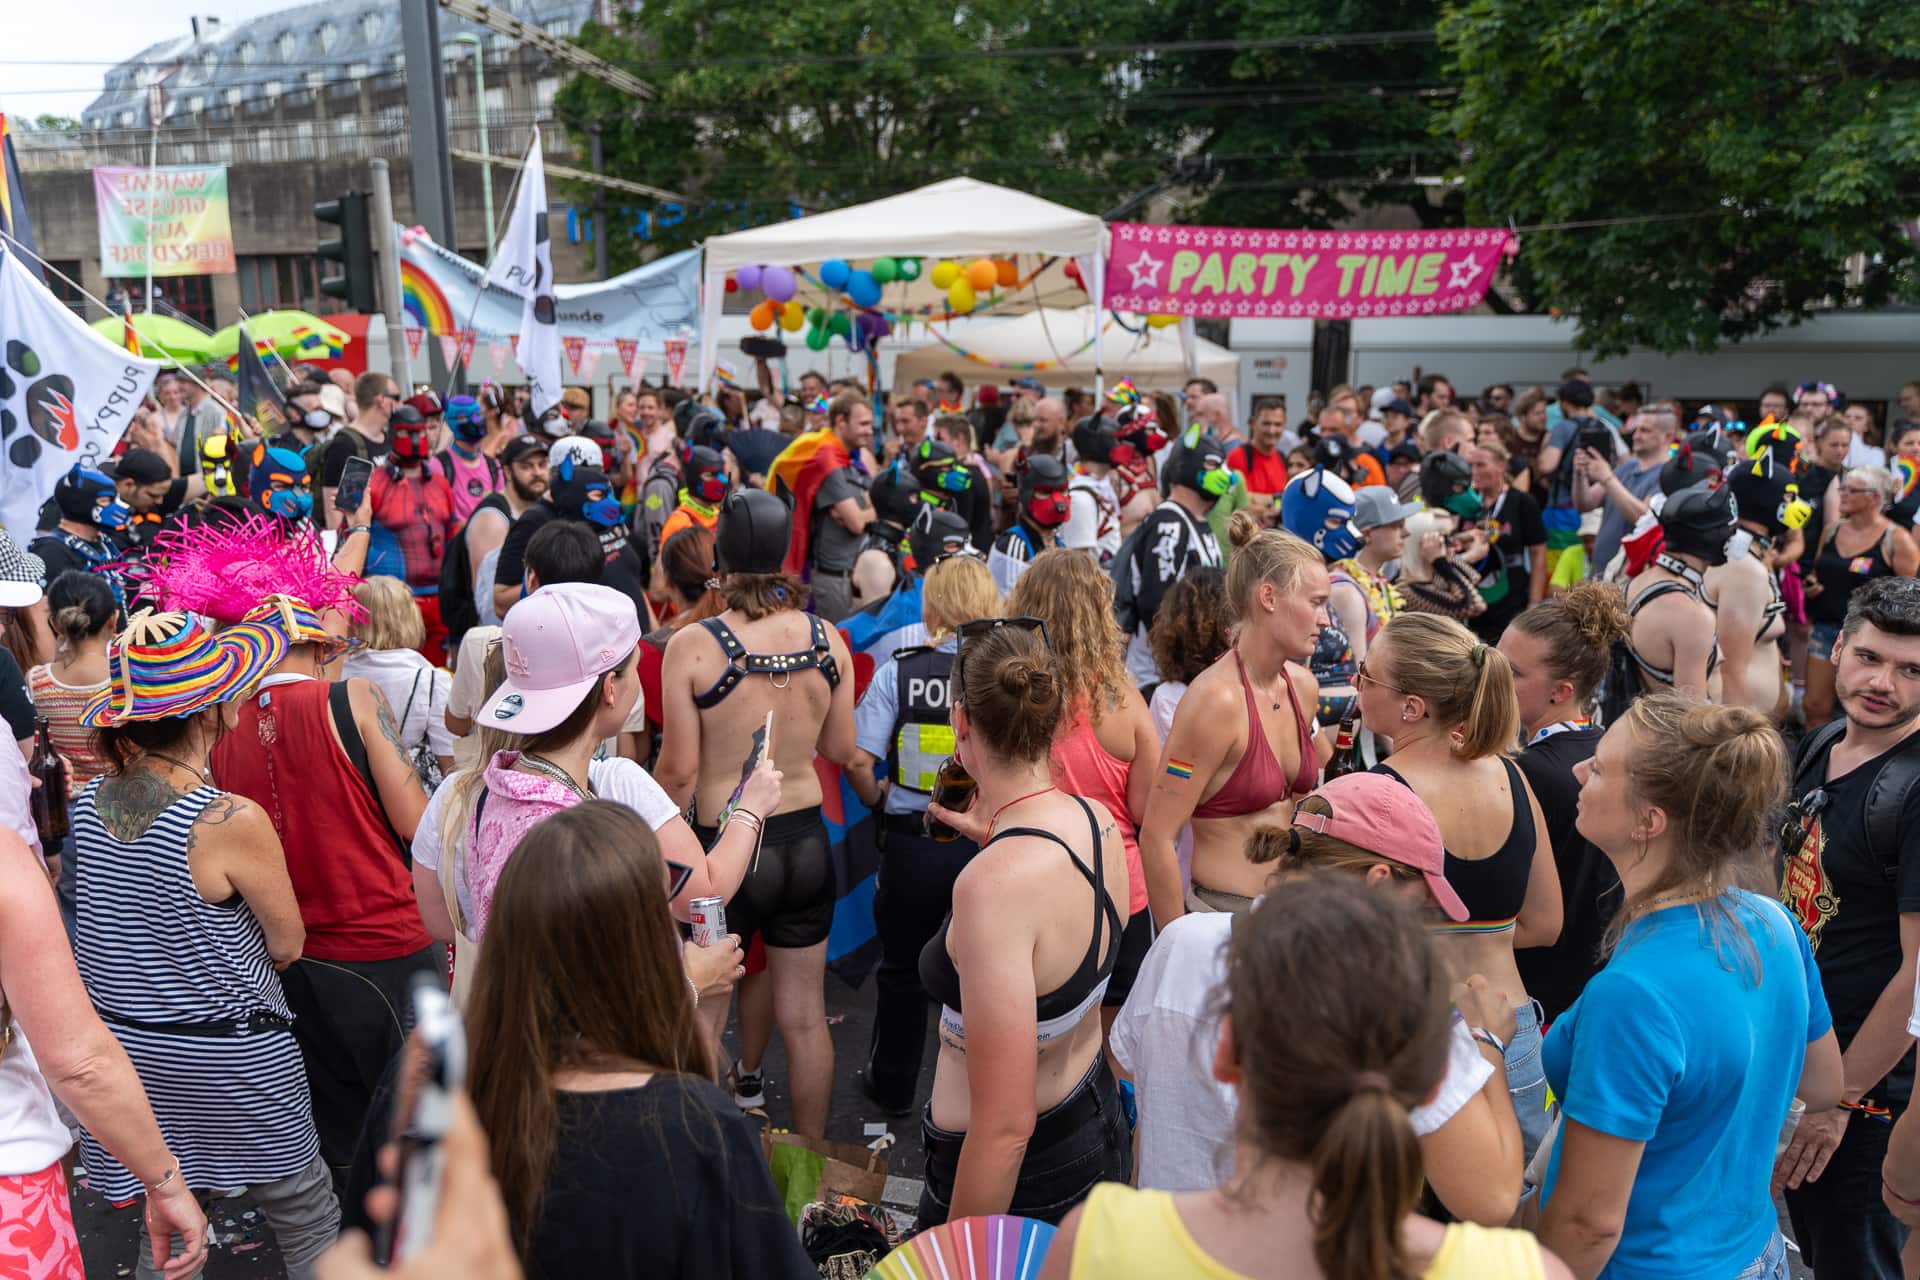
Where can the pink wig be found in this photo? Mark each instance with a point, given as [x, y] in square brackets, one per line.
[224, 569]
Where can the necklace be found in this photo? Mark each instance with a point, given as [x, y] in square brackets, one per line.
[1018, 799]
[548, 769]
[177, 763]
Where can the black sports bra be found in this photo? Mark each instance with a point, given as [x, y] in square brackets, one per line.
[1060, 1010]
[741, 664]
[1494, 887]
[1665, 674]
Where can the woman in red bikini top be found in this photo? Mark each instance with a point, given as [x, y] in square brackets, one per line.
[1242, 745]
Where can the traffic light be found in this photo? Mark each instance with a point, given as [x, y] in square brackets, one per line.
[353, 251]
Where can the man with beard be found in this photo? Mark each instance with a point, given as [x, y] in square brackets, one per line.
[1851, 847]
[466, 576]
[91, 515]
[413, 515]
[585, 496]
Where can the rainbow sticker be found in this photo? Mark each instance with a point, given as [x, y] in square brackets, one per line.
[1180, 769]
[1001, 1247]
[1907, 472]
[426, 306]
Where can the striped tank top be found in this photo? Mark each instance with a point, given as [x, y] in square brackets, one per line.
[62, 704]
[232, 1104]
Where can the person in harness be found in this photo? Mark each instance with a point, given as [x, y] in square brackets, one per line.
[897, 621]
[881, 564]
[1043, 508]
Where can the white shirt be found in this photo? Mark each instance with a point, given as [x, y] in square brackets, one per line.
[1093, 517]
[1862, 454]
[416, 690]
[1165, 1037]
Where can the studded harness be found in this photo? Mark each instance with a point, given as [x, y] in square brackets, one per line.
[780, 667]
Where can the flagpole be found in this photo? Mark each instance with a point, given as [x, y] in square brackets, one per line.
[480, 285]
[153, 162]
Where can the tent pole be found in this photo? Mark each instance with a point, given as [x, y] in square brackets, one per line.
[1099, 323]
[714, 295]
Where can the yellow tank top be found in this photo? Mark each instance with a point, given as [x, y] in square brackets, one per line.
[1126, 1234]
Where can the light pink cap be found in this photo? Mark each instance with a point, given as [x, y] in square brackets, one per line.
[556, 643]
[1383, 816]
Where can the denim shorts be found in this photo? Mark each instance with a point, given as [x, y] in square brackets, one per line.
[1771, 1264]
[1821, 641]
[1527, 1079]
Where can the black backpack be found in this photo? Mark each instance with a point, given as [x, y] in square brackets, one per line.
[458, 610]
[1887, 797]
[1126, 610]
[445, 459]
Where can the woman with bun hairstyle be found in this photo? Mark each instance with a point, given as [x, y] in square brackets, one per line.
[82, 617]
[1025, 1117]
[1242, 747]
[1326, 1169]
[1678, 1064]
[1446, 699]
[1558, 651]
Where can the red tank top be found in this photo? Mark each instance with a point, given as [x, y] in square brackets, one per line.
[1257, 782]
[1082, 767]
[351, 878]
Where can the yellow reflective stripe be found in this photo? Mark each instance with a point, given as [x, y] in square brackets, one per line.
[919, 750]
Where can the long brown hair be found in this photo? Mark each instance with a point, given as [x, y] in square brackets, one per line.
[687, 560]
[581, 971]
[1329, 1081]
[1064, 587]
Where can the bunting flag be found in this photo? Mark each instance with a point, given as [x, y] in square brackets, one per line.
[629, 350]
[676, 351]
[575, 349]
[450, 349]
[466, 346]
[14, 221]
[502, 353]
[415, 336]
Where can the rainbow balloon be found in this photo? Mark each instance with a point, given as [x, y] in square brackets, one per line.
[426, 306]
[1001, 1247]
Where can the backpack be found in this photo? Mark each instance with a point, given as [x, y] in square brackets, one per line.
[1887, 798]
[494, 473]
[458, 611]
[1126, 609]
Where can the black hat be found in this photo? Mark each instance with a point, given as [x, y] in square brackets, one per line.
[1400, 407]
[519, 447]
[1691, 464]
[895, 494]
[142, 466]
[1405, 451]
[1768, 494]
[706, 426]
[937, 532]
[594, 429]
[1444, 477]
[1697, 521]
[1094, 438]
[753, 533]
[1577, 393]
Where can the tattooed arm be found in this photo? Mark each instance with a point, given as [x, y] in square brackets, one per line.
[233, 848]
[401, 793]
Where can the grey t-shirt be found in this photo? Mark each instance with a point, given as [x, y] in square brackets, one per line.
[832, 547]
[1613, 526]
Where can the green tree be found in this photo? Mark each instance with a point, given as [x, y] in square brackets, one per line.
[818, 105]
[1763, 143]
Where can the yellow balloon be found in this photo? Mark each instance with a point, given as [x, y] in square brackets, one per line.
[1161, 321]
[792, 317]
[944, 274]
[981, 273]
[960, 297]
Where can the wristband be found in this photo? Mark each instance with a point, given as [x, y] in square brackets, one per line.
[358, 528]
[1487, 1037]
[164, 1180]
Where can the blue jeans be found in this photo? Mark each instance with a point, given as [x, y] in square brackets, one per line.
[1770, 1265]
[1527, 1078]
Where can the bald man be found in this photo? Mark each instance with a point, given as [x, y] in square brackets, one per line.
[1215, 411]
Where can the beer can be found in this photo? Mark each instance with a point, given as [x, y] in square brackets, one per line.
[709, 919]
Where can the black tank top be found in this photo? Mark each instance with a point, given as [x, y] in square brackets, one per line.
[1493, 887]
[1841, 575]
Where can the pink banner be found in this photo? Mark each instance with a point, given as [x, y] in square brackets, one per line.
[575, 349]
[415, 336]
[676, 353]
[1230, 271]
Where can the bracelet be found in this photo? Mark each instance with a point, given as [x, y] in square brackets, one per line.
[695, 988]
[164, 1180]
[358, 528]
[741, 815]
[1868, 1109]
[1485, 1036]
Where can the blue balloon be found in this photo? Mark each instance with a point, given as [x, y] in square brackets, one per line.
[863, 289]
[834, 273]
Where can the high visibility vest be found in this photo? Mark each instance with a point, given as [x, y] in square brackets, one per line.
[922, 717]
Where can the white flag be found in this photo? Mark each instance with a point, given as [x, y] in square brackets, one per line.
[67, 394]
[523, 264]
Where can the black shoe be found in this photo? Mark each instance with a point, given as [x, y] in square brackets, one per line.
[886, 1106]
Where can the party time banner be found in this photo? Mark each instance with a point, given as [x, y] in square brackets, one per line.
[1233, 271]
[177, 212]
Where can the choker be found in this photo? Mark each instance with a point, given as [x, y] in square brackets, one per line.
[1679, 569]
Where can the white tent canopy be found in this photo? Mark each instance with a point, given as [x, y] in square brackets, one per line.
[957, 218]
[1154, 359]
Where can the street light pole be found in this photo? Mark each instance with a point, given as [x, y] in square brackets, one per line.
[486, 154]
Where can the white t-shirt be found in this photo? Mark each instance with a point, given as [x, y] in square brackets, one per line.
[619, 780]
[1165, 1037]
[1093, 517]
[416, 689]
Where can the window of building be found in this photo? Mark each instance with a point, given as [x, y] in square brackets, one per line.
[501, 43]
[358, 71]
[126, 119]
[315, 79]
[246, 53]
[190, 296]
[210, 59]
[329, 36]
[496, 100]
[197, 103]
[233, 97]
[397, 62]
[543, 91]
[274, 88]
[278, 280]
[370, 26]
[284, 46]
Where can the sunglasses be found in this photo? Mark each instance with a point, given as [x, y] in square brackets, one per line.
[1362, 677]
[977, 627]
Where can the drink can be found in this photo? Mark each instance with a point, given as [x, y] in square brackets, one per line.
[709, 919]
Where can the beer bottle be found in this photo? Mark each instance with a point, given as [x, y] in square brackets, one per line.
[1345, 759]
[952, 789]
[50, 797]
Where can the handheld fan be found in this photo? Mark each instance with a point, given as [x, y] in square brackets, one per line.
[1000, 1247]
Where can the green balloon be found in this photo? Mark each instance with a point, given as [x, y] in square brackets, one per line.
[841, 324]
[908, 268]
[817, 338]
[885, 270]
[816, 316]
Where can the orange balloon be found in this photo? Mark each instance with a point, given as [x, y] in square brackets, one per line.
[762, 315]
[981, 274]
[1006, 273]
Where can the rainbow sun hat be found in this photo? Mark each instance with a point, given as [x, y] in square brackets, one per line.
[167, 665]
[295, 619]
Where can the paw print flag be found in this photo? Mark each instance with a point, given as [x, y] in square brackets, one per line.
[67, 394]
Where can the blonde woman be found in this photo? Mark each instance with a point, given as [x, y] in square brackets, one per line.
[903, 730]
[1447, 700]
[387, 654]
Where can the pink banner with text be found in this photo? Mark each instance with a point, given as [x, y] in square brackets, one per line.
[1231, 271]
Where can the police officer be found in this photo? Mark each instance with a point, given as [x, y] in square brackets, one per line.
[903, 730]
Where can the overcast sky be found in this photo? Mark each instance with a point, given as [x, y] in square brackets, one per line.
[57, 51]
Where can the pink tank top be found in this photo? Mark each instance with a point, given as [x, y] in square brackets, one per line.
[472, 480]
[1082, 767]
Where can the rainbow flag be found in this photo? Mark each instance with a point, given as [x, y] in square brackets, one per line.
[131, 337]
[784, 474]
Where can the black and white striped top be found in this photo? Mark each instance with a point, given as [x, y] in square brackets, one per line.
[234, 1108]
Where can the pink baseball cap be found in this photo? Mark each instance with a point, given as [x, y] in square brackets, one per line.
[1383, 816]
[556, 643]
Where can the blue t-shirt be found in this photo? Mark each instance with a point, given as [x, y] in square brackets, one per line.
[1675, 1046]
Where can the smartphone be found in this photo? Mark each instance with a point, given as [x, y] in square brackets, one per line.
[353, 485]
[433, 1069]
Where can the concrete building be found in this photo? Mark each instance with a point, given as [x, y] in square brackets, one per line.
[294, 103]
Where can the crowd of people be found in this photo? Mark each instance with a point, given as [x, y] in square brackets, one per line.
[1436, 837]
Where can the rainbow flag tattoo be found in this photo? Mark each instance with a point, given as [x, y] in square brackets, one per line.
[1180, 769]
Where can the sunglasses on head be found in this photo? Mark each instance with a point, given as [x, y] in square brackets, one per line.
[974, 628]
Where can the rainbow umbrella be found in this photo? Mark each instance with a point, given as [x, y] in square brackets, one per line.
[161, 336]
[293, 334]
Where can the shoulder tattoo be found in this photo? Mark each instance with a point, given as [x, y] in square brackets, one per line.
[129, 803]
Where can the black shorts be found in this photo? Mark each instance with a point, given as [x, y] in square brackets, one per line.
[1135, 941]
[789, 891]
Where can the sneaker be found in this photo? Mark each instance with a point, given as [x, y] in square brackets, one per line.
[749, 1088]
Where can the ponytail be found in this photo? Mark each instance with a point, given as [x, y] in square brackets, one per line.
[1367, 1177]
[1493, 717]
[1467, 684]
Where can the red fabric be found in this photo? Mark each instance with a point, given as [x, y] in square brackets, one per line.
[37, 1241]
[1265, 472]
[652, 663]
[1082, 767]
[434, 647]
[354, 887]
[827, 459]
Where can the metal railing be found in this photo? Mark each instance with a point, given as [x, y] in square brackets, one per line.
[283, 142]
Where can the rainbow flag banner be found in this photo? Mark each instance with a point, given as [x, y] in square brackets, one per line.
[441, 294]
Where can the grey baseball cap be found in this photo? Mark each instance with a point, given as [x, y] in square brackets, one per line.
[1376, 505]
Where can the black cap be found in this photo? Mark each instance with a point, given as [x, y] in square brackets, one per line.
[1577, 393]
[1405, 451]
[519, 447]
[594, 429]
[1400, 407]
[1094, 437]
[142, 466]
[753, 533]
[407, 416]
[936, 532]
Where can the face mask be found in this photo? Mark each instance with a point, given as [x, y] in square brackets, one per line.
[317, 420]
[1121, 455]
[710, 488]
[602, 510]
[953, 480]
[1048, 508]
[1466, 505]
[1218, 482]
[290, 504]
